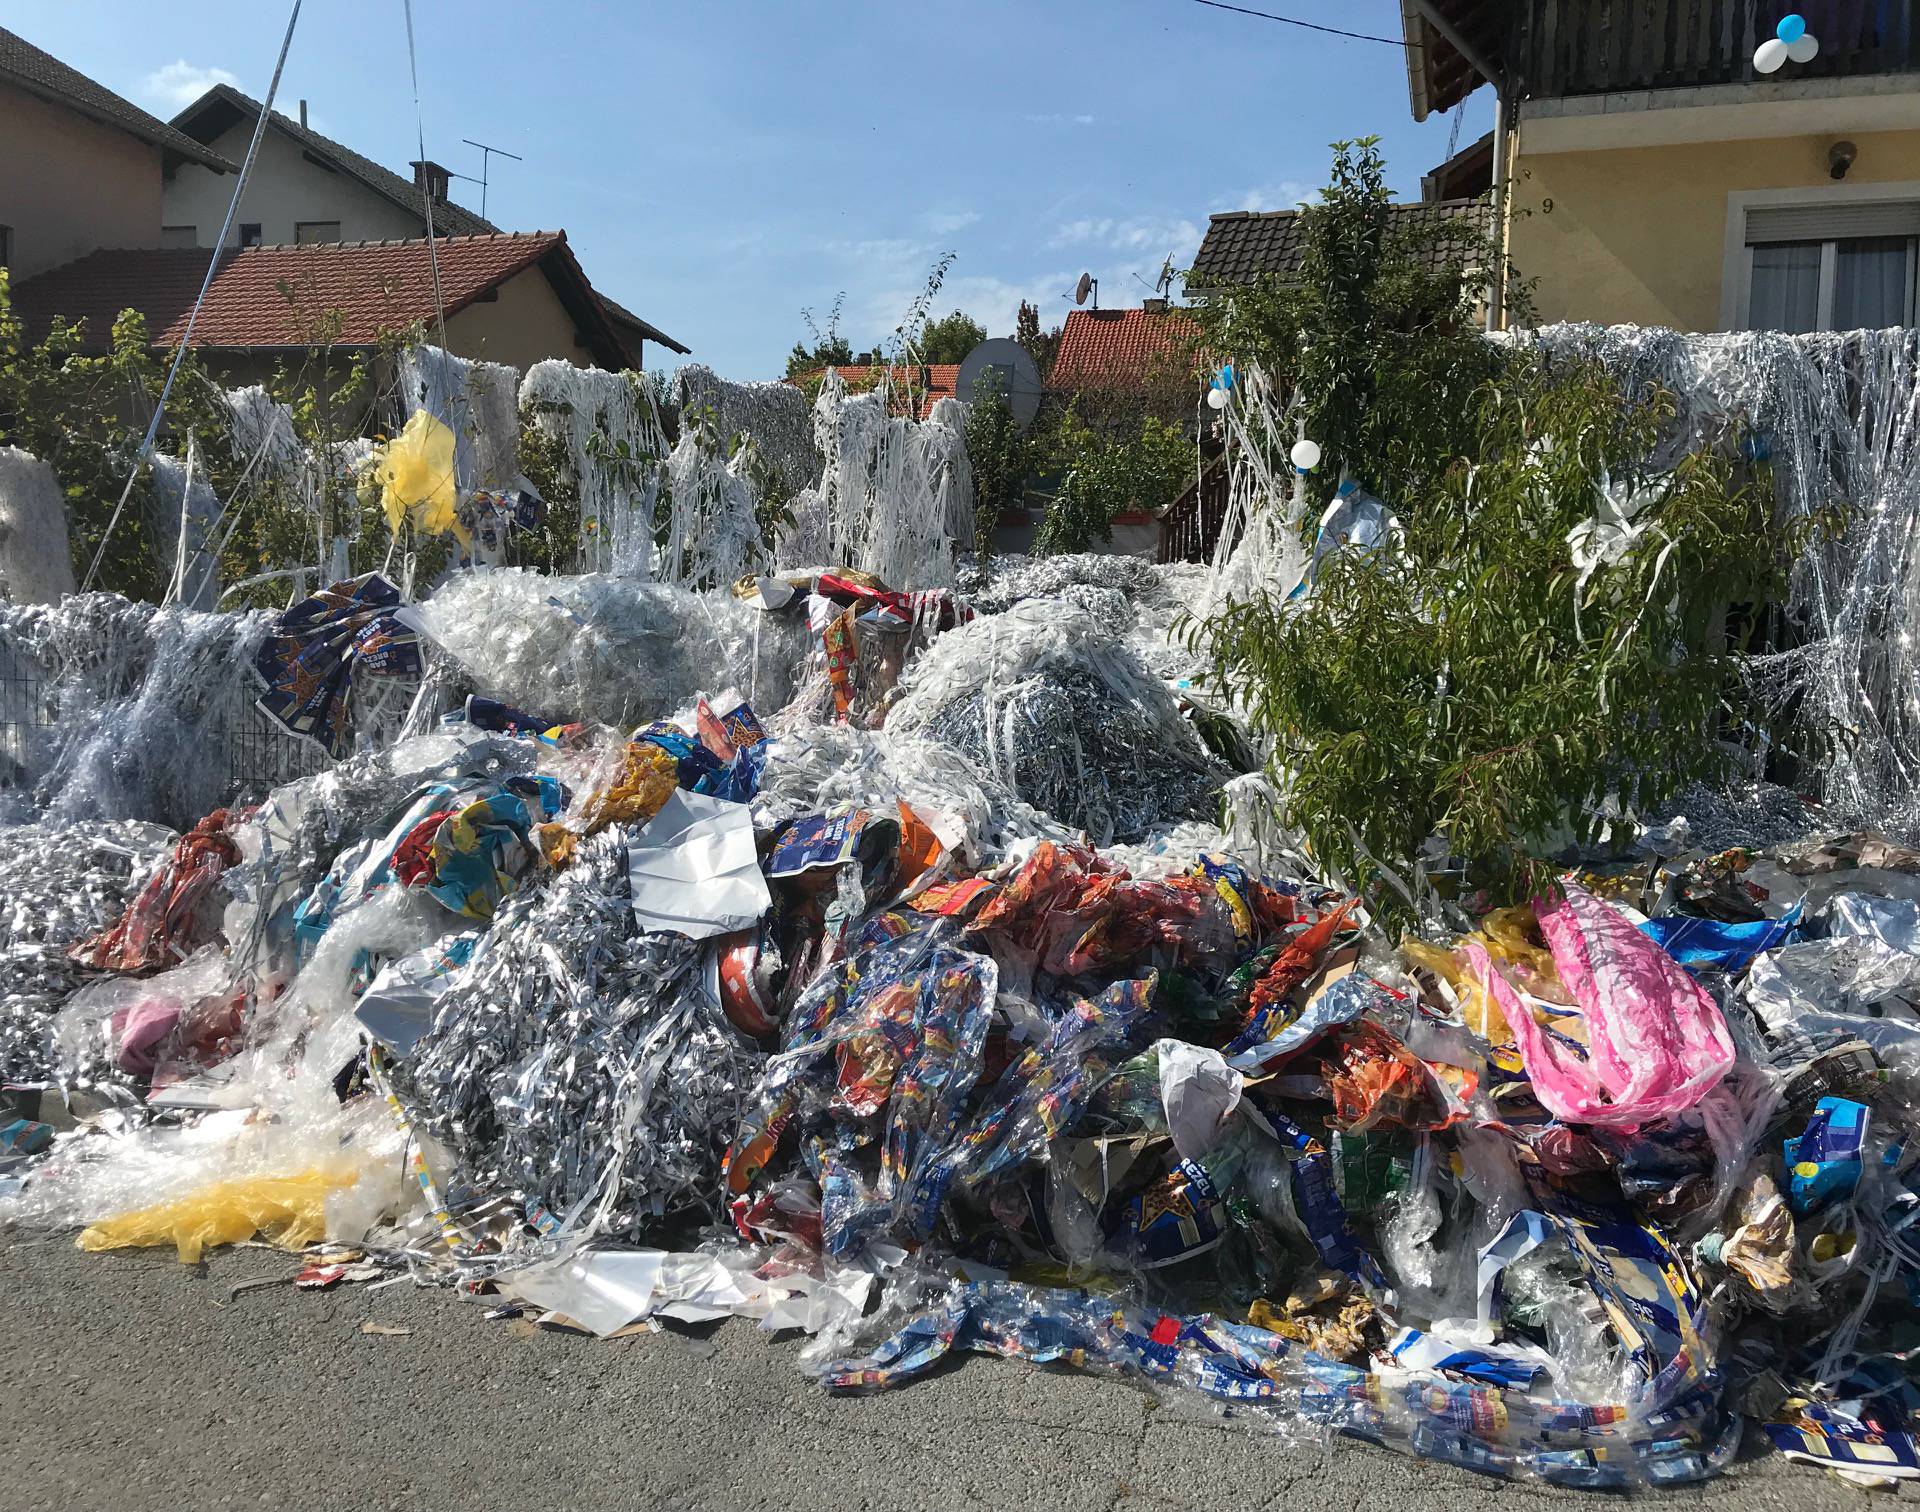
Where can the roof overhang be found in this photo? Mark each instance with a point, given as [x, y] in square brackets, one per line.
[174, 150]
[1719, 113]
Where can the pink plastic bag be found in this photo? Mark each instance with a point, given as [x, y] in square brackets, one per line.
[1656, 1041]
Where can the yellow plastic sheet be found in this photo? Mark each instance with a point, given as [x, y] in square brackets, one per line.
[416, 476]
[288, 1210]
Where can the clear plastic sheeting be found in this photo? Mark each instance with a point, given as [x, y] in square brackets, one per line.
[1838, 417]
[1048, 701]
[608, 648]
[35, 564]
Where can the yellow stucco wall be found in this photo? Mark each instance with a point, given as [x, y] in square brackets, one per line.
[69, 186]
[525, 325]
[1638, 235]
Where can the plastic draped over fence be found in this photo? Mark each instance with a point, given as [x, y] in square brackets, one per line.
[1837, 417]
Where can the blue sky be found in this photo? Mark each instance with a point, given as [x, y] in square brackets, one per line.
[720, 164]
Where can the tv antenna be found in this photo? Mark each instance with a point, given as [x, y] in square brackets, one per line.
[487, 155]
[1163, 280]
[1088, 285]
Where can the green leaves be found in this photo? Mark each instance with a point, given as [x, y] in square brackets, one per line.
[1470, 685]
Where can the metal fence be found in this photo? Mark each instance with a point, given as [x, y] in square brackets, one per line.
[256, 753]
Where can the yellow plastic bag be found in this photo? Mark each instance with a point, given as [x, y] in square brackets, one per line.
[416, 476]
[289, 1210]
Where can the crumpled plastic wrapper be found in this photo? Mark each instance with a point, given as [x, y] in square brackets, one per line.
[577, 1060]
[59, 884]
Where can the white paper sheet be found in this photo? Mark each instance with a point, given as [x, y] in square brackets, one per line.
[695, 871]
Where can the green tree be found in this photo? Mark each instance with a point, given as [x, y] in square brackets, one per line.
[1039, 345]
[1000, 456]
[1104, 474]
[1379, 335]
[951, 338]
[825, 346]
[1512, 661]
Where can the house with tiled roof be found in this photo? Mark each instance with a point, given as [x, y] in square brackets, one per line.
[307, 188]
[1242, 245]
[1122, 350]
[80, 167]
[513, 298]
[926, 383]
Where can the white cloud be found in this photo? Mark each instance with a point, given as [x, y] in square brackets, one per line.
[946, 222]
[1164, 235]
[1285, 195]
[180, 83]
[1055, 118]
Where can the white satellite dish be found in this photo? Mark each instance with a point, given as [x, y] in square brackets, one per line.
[1009, 362]
[1088, 285]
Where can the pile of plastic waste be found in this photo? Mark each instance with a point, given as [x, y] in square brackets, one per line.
[816, 988]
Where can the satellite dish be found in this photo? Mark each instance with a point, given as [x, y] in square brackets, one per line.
[1088, 283]
[1009, 362]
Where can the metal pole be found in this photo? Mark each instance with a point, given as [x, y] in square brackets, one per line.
[1497, 286]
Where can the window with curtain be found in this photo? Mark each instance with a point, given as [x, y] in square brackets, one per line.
[1826, 266]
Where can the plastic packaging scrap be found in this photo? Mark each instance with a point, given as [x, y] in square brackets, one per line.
[644, 977]
[309, 657]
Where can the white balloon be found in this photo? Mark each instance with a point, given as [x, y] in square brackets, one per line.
[1769, 55]
[1306, 455]
[1804, 49]
[1216, 398]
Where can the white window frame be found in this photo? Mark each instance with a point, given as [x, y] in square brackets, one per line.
[1736, 269]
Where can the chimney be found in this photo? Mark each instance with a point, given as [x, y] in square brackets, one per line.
[432, 178]
[1154, 306]
[303, 115]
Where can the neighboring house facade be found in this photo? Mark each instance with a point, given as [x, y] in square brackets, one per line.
[81, 168]
[515, 298]
[1648, 175]
[307, 189]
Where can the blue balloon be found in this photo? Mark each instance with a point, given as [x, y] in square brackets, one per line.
[1226, 376]
[1791, 29]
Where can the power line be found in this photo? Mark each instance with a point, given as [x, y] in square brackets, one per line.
[1331, 31]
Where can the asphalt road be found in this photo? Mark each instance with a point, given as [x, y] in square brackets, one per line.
[133, 1382]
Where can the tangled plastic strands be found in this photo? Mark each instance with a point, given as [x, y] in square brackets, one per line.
[774, 416]
[1259, 545]
[713, 537]
[1052, 704]
[610, 425]
[895, 496]
[581, 1065]
[821, 768]
[148, 707]
[997, 583]
[1838, 415]
[479, 402]
[609, 649]
[58, 885]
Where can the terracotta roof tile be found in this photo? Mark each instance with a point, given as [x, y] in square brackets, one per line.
[375, 287]
[1115, 348]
